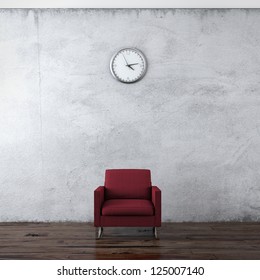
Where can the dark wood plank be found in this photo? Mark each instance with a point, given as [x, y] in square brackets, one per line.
[176, 241]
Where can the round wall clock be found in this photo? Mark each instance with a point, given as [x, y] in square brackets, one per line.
[128, 65]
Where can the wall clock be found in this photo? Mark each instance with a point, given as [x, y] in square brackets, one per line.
[128, 65]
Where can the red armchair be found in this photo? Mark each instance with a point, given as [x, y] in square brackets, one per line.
[127, 199]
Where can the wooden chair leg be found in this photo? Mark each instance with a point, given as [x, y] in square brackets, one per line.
[100, 232]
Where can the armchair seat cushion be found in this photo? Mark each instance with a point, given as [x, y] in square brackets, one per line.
[128, 207]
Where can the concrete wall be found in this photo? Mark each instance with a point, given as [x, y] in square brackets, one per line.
[194, 119]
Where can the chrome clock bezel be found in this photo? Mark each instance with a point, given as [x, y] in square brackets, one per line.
[139, 53]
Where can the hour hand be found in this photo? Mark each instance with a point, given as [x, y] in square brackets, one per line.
[129, 65]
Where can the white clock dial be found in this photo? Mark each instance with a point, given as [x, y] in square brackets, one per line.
[128, 65]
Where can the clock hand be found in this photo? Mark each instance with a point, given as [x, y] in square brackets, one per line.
[132, 64]
[125, 60]
[129, 65]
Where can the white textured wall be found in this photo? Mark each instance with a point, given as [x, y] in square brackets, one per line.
[194, 119]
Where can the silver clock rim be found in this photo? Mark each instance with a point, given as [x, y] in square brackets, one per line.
[140, 53]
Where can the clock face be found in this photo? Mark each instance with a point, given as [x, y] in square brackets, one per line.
[128, 65]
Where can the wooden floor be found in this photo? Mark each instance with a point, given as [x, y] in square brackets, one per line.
[176, 241]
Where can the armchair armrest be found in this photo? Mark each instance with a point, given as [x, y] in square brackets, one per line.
[156, 199]
[99, 196]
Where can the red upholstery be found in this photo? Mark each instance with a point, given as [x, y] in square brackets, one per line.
[156, 199]
[128, 207]
[127, 199]
[128, 183]
[98, 202]
[128, 221]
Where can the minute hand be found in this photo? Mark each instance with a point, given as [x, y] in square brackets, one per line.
[132, 64]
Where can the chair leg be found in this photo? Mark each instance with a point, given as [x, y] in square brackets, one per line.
[155, 233]
[100, 232]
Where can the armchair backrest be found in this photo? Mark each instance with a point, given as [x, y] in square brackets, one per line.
[128, 183]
